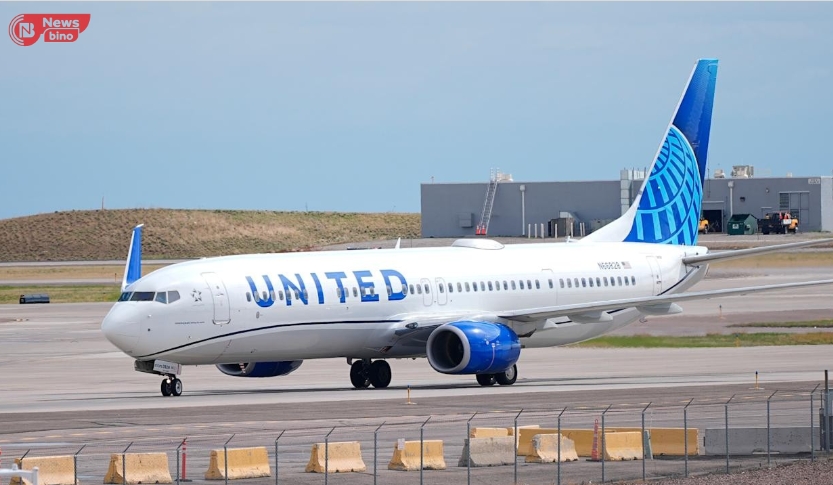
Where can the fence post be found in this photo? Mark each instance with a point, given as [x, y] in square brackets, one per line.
[75, 465]
[685, 433]
[327, 456]
[277, 462]
[603, 441]
[812, 425]
[644, 444]
[726, 421]
[225, 457]
[123, 463]
[768, 432]
[375, 452]
[468, 449]
[515, 481]
[558, 477]
[422, 449]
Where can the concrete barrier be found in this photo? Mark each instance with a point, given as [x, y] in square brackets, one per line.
[746, 441]
[490, 432]
[342, 457]
[242, 463]
[494, 451]
[625, 445]
[52, 470]
[545, 449]
[406, 456]
[139, 467]
[511, 430]
[582, 439]
[670, 441]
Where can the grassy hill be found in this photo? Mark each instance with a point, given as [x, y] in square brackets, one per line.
[170, 233]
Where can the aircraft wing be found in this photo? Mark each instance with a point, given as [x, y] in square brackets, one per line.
[661, 304]
[743, 253]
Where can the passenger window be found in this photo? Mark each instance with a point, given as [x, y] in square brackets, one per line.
[355, 292]
[467, 286]
[265, 295]
[575, 281]
[497, 285]
[583, 282]
[390, 292]
[280, 295]
[162, 297]
[561, 282]
[490, 286]
[460, 288]
[442, 288]
[591, 282]
[627, 282]
[371, 290]
[529, 284]
[288, 296]
[297, 295]
[482, 286]
[538, 284]
[427, 289]
[474, 286]
[404, 289]
[419, 289]
[513, 285]
[598, 281]
[173, 296]
[248, 296]
[521, 283]
[620, 280]
[633, 280]
[605, 280]
[505, 285]
[612, 281]
[412, 290]
[569, 283]
[272, 294]
[450, 288]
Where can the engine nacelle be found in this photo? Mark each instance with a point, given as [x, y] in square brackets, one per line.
[259, 369]
[468, 347]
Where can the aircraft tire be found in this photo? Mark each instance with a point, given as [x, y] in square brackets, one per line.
[507, 377]
[486, 379]
[166, 387]
[380, 374]
[176, 387]
[358, 376]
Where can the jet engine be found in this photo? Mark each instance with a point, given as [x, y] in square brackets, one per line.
[259, 369]
[468, 347]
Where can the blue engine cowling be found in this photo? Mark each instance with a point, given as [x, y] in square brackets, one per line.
[259, 369]
[468, 347]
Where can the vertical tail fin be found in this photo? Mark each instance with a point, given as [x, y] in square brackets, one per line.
[667, 208]
[133, 266]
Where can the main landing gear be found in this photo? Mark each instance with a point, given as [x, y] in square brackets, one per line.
[364, 373]
[505, 378]
[171, 386]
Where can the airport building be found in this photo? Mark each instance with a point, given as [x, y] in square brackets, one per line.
[504, 207]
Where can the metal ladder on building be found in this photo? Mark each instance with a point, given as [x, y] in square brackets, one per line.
[486, 214]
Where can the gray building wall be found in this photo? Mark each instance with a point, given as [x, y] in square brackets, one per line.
[447, 208]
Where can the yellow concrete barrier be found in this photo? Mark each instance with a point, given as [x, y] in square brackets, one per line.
[139, 468]
[52, 470]
[511, 429]
[545, 449]
[670, 441]
[490, 432]
[406, 456]
[582, 438]
[242, 463]
[341, 457]
[623, 445]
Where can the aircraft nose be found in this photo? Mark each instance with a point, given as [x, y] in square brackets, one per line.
[121, 327]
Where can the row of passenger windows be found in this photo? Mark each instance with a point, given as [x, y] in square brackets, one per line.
[425, 288]
[599, 281]
[159, 296]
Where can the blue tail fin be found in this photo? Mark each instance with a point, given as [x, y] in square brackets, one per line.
[133, 267]
[667, 208]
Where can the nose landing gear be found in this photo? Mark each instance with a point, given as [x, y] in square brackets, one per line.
[171, 386]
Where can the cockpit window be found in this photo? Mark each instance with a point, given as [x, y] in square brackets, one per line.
[125, 296]
[142, 296]
[162, 297]
[173, 296]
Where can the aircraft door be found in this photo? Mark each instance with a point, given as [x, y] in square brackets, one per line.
[442, 296]
[656, 274]
[222, 312]
[427, 297]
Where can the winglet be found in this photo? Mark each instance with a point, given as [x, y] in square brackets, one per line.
[398, 241]
[133, 266]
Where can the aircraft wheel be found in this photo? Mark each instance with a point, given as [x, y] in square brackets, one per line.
[166, 387]
[486, 379]
[358, 375]
[507, 377]
[176, 387]
[380, 374]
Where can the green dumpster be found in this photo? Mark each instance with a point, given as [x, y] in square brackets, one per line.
[740, 224]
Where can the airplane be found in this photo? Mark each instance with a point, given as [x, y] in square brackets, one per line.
[469, 308]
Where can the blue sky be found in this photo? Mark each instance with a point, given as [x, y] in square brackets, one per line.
[350, 106]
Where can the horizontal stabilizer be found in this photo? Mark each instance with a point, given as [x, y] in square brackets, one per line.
[743, 253]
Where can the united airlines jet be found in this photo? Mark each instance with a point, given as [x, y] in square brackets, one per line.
[469, 308]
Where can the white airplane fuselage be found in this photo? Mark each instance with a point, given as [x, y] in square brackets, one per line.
[356, 304]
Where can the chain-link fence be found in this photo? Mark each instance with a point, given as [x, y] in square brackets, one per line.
[753, 430]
